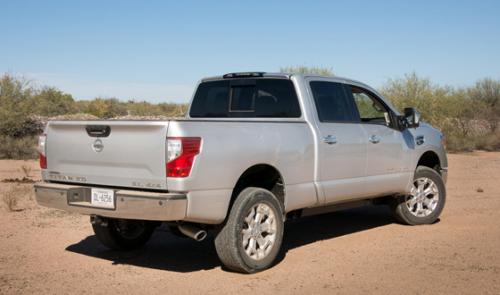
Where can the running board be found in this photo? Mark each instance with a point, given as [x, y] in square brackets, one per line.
[334, 207]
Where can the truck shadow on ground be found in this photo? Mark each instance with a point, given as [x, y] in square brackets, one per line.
[168, 252]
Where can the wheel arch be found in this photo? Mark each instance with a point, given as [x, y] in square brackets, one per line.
[260, 175]
[430, 159]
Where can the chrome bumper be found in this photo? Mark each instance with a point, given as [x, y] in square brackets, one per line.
[129, 204]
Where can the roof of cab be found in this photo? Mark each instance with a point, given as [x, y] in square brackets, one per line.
[240, 75]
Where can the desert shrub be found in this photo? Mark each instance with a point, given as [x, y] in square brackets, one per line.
[51, 102]
[488, 142]
[18, 148]
[14, 91]
[81, 106]
[20, 126]
[459, 143]
[486, 94]
[145, 109]
[106, 108]
[142, 108]
[174, 109]
[14, 96]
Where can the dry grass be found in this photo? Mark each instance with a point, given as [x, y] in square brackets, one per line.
[26, 170]
[12, 197]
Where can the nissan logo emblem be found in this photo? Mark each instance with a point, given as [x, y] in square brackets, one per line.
[98, 146]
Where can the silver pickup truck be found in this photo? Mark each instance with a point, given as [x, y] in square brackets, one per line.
[254, 149]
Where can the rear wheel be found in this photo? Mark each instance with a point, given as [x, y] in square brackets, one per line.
[251, 238]
[425, 202]
[124, 234]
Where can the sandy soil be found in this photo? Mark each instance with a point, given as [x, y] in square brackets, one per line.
[354, 251]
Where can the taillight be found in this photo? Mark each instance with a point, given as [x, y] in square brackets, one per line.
[42, 143]
[180, 155]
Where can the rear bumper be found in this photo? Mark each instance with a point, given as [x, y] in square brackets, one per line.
[129, 204]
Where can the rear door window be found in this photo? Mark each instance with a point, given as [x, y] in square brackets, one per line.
[332, 102]
[246, 98]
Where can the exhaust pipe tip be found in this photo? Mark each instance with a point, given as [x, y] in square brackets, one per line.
[193, 232]
[200, 235]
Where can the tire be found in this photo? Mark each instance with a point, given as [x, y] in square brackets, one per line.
[424, 205]
[124, 234]
[253, 208]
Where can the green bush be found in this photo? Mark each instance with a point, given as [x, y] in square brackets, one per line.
[19, 125]
[51, 102]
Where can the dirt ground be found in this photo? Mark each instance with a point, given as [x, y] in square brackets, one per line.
[355, 251]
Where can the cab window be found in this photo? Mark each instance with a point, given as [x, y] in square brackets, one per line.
[370, 109]
[246, 98]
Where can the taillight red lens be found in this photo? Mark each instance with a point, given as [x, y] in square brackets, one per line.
[42, 144]
[181, 165]
[43, 161]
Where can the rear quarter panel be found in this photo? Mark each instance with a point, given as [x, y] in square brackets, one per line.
[231, 147]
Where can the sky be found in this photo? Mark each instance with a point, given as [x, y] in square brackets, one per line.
[158, 50]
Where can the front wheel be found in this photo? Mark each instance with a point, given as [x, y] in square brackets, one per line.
[250, 240]
[124, 234]
[425, 202]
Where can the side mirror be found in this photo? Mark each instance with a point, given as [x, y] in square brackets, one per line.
[412, 117]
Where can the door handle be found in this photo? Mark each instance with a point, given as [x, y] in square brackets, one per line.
[98, 130]
[374, 139]
[330, 139]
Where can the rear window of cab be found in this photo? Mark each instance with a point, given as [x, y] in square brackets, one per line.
[246, 98]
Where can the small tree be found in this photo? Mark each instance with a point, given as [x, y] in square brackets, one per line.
[321, 71]
[52, 102]
[15, 94]
[106, 108]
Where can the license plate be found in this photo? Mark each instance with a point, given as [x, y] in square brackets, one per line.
[103, 198]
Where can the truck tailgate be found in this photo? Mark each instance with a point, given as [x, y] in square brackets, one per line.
[131, 155]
